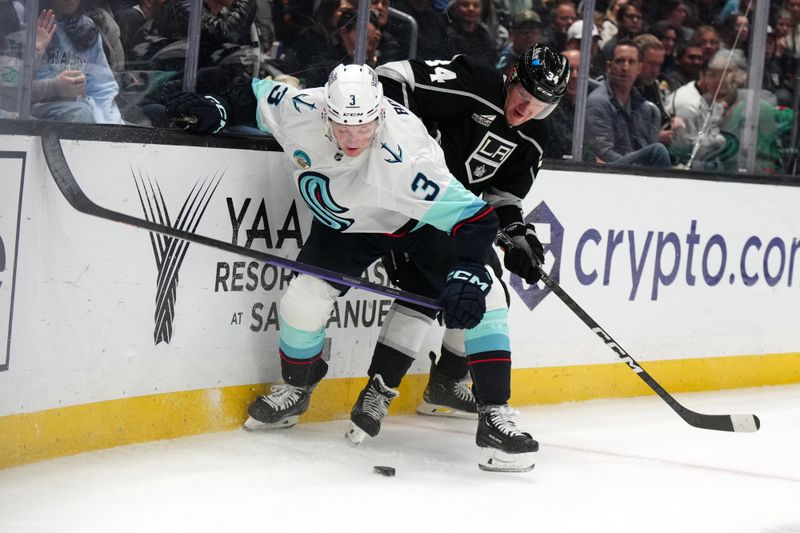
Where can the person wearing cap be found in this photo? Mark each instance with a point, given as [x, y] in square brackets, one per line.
[574, 37]
[525, 30]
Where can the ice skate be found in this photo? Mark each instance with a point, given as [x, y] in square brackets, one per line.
[280, 409]
[504, 448]
[369, 410]
[449, 397]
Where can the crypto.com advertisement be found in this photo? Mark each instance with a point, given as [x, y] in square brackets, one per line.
[669, 267]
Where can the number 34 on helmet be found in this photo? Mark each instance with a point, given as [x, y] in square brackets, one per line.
[544, 73]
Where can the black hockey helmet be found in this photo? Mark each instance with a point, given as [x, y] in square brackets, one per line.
[544, 73]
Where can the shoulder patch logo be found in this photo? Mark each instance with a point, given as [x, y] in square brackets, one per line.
[302, 159]
[298, 101]
[484, 120]
[397, 157]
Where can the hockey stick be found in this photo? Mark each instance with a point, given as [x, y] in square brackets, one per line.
[59, 168]
[739, 423]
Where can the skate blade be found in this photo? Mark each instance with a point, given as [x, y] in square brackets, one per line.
[251, 424]
[493, 460]
[430, 409]
[355, 435]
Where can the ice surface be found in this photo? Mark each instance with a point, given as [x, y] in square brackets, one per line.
[621, 466]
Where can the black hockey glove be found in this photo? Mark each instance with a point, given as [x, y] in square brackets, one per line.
[198, 113]
[464, 296]
[524, 253]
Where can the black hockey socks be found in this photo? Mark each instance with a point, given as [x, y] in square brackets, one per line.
[451, 365]
[303, 372]
[491, 377]
[391, 364]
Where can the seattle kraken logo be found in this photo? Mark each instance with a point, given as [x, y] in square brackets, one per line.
[315, 189]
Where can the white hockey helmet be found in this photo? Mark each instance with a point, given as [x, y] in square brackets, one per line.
[353, 95]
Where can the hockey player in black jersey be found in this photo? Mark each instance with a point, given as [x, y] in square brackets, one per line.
[491, 132]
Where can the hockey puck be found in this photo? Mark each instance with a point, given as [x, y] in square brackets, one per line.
[387, 471]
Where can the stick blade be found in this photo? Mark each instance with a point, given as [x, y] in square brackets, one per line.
[734, 423]
[745, 423]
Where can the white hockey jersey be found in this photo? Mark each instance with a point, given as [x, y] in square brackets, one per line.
[401, 178]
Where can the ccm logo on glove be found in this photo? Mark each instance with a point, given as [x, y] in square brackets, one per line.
[463, 275]
[464, 296]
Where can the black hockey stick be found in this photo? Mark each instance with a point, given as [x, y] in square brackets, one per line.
[59, 168]
[740, 423]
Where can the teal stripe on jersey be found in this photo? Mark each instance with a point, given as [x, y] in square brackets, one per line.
[455, 205]
[490, 335]
[261, 89]
[299, 343]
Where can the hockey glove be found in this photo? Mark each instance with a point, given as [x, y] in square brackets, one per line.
[198, 113]
[524, 253]
[464, 296]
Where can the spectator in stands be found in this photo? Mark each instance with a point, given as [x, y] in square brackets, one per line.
[621, 126]
[574, 37]
[667, 33]
[649, 84]
[735, 33]
[776, 81]
[316, 43]
[561, 17]
[630, 25]
[772, 138]
[11, 64]
[100, 13]
[467, 34]
[316, 71]
[491, 19]
[787, 34]
[792, 9]
[560, 123]
[702, 104]
[610, 24]
[224, 27]
[689, 65]
[676, 13]
[73, 81]
[290, 17]
[526, 29]
[432, 40]
[707, 38]
[787, 47]
[389, 48]
[131, 19]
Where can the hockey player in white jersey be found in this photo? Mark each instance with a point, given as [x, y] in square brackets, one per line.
[376, 183]
[491, 131]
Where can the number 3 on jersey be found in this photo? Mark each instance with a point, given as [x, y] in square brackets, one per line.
[440, 75]
[421, 184]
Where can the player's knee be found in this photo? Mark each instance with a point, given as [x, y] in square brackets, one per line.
[307, 303]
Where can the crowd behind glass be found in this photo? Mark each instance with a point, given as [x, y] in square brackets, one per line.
[666, 84]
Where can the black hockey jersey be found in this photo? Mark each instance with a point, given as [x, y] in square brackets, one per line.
[465, 101]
